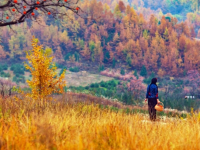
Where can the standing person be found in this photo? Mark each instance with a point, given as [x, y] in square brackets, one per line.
[152, 96]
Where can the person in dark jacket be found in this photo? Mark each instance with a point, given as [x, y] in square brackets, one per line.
[152, 96]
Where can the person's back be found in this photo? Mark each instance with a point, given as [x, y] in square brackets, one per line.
[152, 96]
[153, 91]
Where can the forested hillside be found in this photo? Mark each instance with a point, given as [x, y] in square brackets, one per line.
[164, 46]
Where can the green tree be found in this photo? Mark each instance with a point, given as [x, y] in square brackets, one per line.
[122, 71]
[76, 56]
[152, 74]
[101, 68]
[128, 59]
[113, 62]
[66, 57]
[184, 73]
[143, 71]
[135, 74]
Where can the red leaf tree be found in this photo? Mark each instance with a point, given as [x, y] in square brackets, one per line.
[136, 88]
[17, 11]
[194, 78]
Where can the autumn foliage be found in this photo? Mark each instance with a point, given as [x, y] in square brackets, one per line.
[125, 34]
[44, 77]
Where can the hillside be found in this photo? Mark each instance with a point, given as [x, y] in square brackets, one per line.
[120, 37]
[80, 126]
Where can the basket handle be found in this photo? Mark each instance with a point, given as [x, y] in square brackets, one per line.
[160, 104]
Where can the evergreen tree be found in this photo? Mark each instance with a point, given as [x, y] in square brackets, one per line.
[76, 56]
[184, 73]
[143, 71]
[135, 74]
[101, 68]
[113, 62]
[128, 59]
[122, 71]
[152, 75]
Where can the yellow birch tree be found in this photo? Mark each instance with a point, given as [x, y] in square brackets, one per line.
[44, 77]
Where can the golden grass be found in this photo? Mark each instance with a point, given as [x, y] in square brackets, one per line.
[77, 126]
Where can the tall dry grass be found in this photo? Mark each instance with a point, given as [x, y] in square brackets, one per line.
[68, 125]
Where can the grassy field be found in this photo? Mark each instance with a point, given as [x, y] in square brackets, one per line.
[76, 126]
[76, 79]
[72, 78]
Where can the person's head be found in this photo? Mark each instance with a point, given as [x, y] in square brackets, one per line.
[153, 81]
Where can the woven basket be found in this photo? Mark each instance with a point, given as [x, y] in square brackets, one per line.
[159, 107]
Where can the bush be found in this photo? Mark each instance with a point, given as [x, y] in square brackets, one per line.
[184, 73]
[105, 85]
[112, 83]
[66, 57]
[5, 67]
[17, 68]
[135, 73]
[3, 74]
[102, 84]
[76, 56]
[75, 69]
[61, 71]
[143, 71]
[18, 79]
[1, 68]
[113, 62]
[122, 71]
[59, 65]
[101, 68]
[94, 85]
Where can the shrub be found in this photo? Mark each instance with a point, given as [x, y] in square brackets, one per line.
[5, 67]
[1, 68]
[76, 56]
[3, 74]
[122, 71]
[184, 73]
[102, 84]
[135, 73]
[113, 62]
[61, 71]
[92, 85]
[143, 71]
[74, 69]
[101, 68]
[105, 85]
[96, 85]
[19, 79]
[112, 83]
[66, 57]
[17, 68]
[59, 65]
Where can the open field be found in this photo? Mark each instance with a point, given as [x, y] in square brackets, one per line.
[76, 126]
[76, 79]
[72, 78]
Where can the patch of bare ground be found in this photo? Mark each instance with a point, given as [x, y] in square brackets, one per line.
[84, 78]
